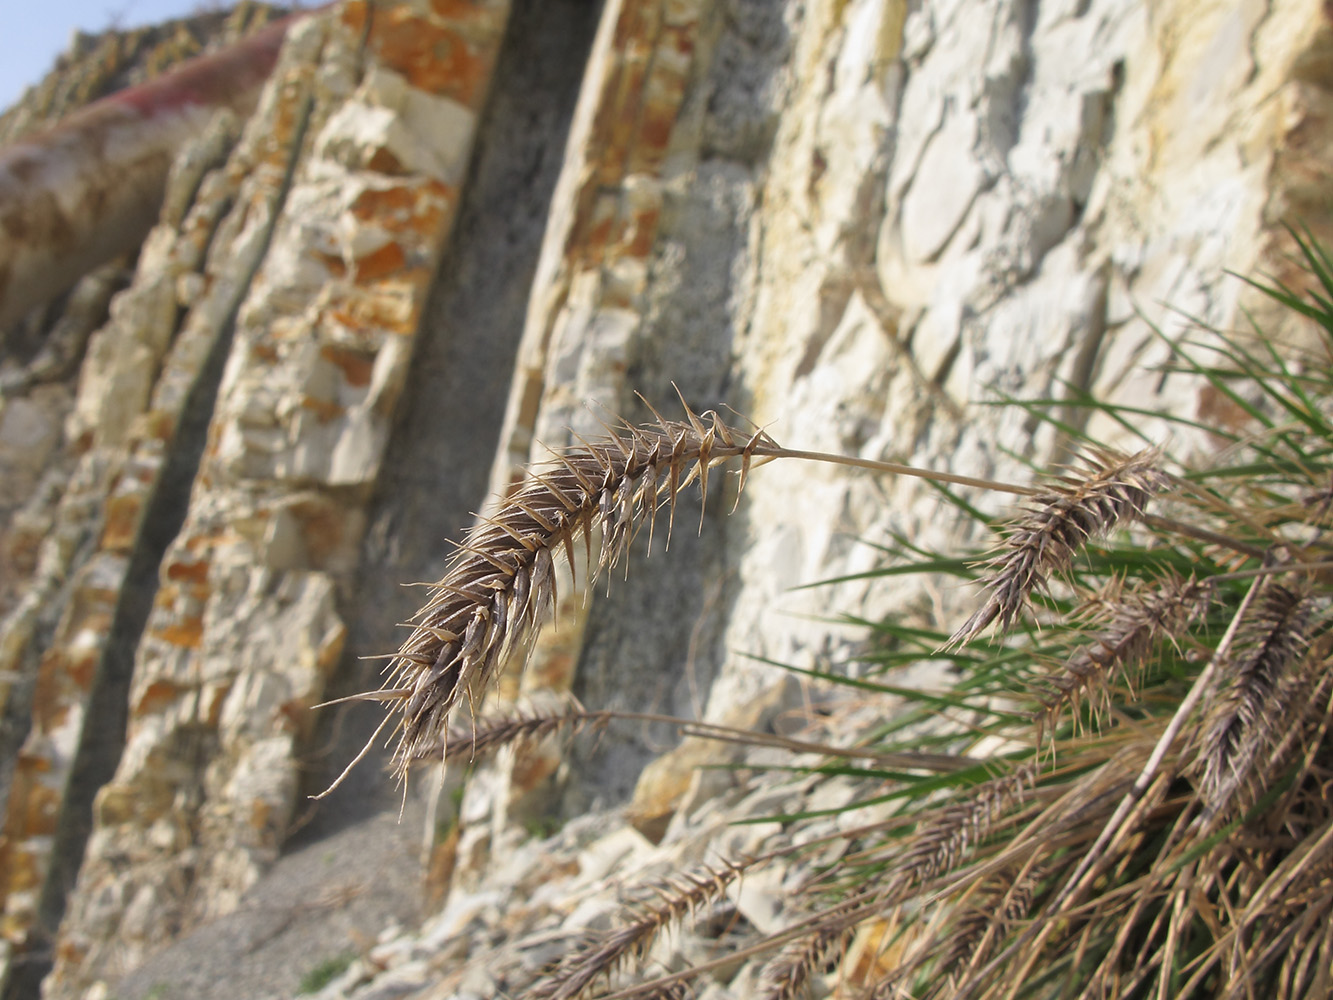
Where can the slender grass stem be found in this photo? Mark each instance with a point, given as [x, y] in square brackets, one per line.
[897, 469]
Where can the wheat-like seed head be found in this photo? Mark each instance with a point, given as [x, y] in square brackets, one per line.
[1247, 713]
[1055, 524]
[788, 975]
[500, 585]
[489, 734]
[1136, 620]
[663, 905]
[940, 843]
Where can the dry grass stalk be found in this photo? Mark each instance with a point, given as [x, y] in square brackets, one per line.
[678, 990]
[1004, 899]
[490, 733]
[1247, 712]
[1137, 622]
[676, 899]
[1319, 502]
[500, 585]
[1058, 522]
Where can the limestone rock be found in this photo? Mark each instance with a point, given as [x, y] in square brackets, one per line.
[853, 220]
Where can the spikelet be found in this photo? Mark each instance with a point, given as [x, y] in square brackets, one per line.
[489, 734]
[1247, 713]
[500, 585]
[672, 900]
[938, 844]
[1136, 622]
[1055, 524]
[788, 975]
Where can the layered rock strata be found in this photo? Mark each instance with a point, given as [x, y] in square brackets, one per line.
[858, 222]
[322, 231]
[913, 210]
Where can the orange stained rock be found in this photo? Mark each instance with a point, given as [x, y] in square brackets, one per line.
[61, 682]
[356, 366]
[22, 872]
[369, 268]
[187, 633]
[393, 307]
[213, 698]
[464, 12]
[388, 259]
[157, 696]
[641, 234]
[323, 526]
[419, 207]
[654, 133]
[637, 112]
[81, 660]
[643, 96]
[122, 521]
[599, 228]
[206, 542]
[288, 112]
[261, 814]
[355, 13]
[187, 570]
[154, 426]
[384, 162]
[333, 263]
[617, 120]
[70, 951]
[325, 409]
[295, 717]
[34, 804]
[451, 59]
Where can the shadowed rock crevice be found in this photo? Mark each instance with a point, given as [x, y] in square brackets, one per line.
[654, 640]
[438, 463]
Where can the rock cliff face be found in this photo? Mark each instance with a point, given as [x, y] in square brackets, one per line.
[856, 221]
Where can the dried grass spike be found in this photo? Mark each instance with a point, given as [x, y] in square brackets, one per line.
[1055, 524]
[1136, 623]
[500, 584]
[489, 734]
[673, 900]
[788, 975]
[1247, 715]
[940, 843]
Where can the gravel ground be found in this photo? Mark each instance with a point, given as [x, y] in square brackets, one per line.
[325, 901]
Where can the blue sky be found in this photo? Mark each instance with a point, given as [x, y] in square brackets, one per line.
[32, 39]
